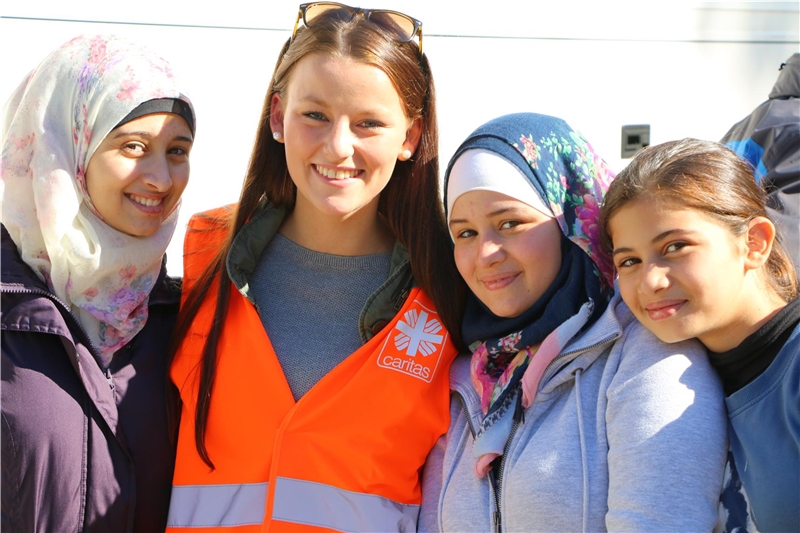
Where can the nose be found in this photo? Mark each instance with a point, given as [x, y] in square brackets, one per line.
[157, 174]
[655, 277]
[490, 252]
[340, 140]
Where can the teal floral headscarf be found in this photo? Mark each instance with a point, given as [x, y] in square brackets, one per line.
[571, 179]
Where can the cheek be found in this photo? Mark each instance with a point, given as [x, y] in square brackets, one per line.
[542, 251]
[465, 262]
[627, 290]
[381, 155]
[93, 179]
[180, 179]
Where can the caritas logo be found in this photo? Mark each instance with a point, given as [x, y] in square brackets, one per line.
[414, 346]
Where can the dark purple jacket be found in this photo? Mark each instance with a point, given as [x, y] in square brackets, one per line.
[81, 451]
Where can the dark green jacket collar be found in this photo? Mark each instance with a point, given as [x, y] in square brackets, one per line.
[379, 309]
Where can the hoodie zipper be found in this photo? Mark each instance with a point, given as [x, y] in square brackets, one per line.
[493, 482]
[92, 348]
[496, 482]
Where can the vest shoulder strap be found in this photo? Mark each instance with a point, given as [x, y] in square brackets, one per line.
[205, 238]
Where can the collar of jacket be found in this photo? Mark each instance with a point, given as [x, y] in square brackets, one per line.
[379, 309]
[581, 352]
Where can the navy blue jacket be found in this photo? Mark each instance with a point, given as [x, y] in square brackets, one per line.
[769, 139]
[81, 451]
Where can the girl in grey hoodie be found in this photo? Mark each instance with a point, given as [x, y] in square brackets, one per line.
[567, 415]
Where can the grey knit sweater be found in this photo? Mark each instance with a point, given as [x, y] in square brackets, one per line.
[309, 303]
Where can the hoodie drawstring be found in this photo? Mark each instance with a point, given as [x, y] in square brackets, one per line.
[577, 373]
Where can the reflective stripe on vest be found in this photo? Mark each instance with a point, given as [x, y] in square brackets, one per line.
[296, 501]
[217, 505]
[317, 504]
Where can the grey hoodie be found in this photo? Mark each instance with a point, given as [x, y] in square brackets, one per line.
[626, 433]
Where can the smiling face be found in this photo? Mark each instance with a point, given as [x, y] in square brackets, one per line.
[138, 173]
[344, 127]
[508, 252]
[683, 274]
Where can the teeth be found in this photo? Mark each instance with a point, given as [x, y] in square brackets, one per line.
[149, 202]
[336, 174]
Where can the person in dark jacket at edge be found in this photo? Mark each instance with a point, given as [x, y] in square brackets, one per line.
[95, 157]
[769, 139]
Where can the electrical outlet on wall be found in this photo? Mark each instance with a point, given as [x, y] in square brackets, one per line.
[634, 138]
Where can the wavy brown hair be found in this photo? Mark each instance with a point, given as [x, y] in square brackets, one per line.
[411, 202]
[706, 176]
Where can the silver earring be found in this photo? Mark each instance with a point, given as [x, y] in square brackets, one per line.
[405, 155]
[277, 136]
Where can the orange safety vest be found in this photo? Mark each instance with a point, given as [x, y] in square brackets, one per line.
[346, 457]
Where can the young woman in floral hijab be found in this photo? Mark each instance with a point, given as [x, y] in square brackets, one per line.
[568, 415]
[96, 144]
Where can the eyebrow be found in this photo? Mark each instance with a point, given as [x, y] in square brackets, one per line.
[148, 135]
[314, 101]
[659, 237]
[492, 214]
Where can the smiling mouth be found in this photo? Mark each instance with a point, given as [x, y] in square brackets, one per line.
[662, 310]
[499, 282]
[147, 202]
[335, 174]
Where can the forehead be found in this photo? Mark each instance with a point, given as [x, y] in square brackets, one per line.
[334, 77]
[652, 215]
[486, 203]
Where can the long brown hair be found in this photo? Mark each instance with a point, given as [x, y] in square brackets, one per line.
[706, 176]
[411, 202]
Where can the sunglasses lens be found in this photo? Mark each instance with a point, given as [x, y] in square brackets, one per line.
[314, 12]
[396, 23]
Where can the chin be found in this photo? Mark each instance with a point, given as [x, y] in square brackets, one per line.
[669, 335]
[505, 311]
[140, 232]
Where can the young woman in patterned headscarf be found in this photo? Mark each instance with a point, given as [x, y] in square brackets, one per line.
[96, 144]
[568, 415]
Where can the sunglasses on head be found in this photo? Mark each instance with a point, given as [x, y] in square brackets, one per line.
[402, 27]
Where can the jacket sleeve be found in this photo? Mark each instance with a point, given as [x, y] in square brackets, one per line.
[430, 518]
[667, 436]
[432, 475]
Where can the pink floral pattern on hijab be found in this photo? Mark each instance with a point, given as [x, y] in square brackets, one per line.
[53, 123]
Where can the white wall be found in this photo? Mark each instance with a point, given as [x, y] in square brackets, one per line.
[685, 68]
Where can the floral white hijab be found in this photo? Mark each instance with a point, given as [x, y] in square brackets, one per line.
[52, 125]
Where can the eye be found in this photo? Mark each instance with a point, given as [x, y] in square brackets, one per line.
[627, 262]
[179, 151]
[371, 124]
[510, 224]
[133, 147]
[675, 247]
[315, 115]
[466, 233]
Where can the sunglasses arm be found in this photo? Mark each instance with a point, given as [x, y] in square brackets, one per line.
[297, 22]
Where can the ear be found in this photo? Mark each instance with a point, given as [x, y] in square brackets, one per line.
[760, 237]
[276, 113]
[413, 135]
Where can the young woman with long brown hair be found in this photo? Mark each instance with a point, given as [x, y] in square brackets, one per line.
[315, 334]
